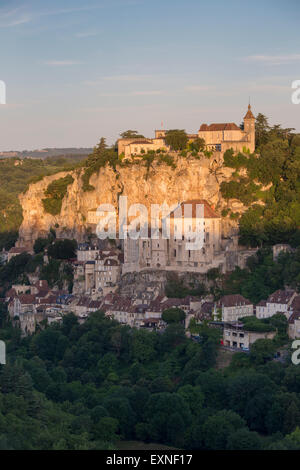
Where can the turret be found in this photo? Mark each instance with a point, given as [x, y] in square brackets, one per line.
[249, 128]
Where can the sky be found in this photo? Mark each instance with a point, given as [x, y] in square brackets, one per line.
[79, 70]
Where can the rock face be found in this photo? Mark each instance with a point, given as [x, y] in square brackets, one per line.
[191, 179]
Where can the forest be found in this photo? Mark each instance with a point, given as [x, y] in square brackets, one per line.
[90, 386]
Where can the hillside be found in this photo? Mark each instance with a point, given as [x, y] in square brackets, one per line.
[47, 152]
[143, 183]
[15, 177]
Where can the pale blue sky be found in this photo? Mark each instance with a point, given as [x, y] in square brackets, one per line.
[76, 71]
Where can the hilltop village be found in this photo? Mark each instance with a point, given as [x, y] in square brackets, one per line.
[129, 280]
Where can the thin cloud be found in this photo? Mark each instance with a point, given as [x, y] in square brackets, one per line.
[13, 17]
[127, 78]
[61, 63]
[147, 93]
[18, 16]
[85, 35]
[199, 88]
[273, 60]
[133, 93]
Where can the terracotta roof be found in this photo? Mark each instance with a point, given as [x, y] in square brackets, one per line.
[26, 299]
[262, 303]
[47, 301]
[249, 114]
[209, 213]
[43, 293]
[42, 284]
[11, 293]
[227, 126]
[151, 320]
[295, 305]
[207, 307]
[293, 317]
[95, 304]
[142, 141]
[83, 302]
[234, 300]
[281, 296]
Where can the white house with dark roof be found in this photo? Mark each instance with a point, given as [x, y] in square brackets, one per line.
[278, 302]
[232, 307]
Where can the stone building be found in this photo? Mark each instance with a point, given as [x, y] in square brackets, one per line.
[222, 137]
[218, 137]
[237, 337]
[232, 307]
[97, 276]
[178, 252]
[278, 302]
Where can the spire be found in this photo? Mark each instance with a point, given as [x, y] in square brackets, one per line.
[249, 114]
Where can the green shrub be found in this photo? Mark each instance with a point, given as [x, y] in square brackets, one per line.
[55, 193]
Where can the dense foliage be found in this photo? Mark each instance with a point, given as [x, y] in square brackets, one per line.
[99, 158]
[269, 183]
[57, 270]
[15, 176]
[263, 275]
[88, 386]
[177, 139]
[55, 193]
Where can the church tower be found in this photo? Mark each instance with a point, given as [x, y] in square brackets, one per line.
[249, 128]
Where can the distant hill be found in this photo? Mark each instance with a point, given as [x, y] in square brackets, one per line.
[47, 152]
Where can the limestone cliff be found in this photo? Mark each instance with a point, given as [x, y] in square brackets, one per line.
[191, 179]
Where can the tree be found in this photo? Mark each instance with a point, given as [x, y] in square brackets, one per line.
[261, 130]
[243, 439]
[160, 419]
[173, 315]
[143, 346]
[40, 244]
[218, 428]
[131, 135]
[197, 145]
[106, 429]
[262, 351]
[63, 249]
[177, 139]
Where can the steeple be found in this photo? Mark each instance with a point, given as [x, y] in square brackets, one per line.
[249, 114]
[249, 128]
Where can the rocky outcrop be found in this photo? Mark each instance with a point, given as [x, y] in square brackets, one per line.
[191, 179]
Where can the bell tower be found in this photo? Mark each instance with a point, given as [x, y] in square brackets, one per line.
[249, 128]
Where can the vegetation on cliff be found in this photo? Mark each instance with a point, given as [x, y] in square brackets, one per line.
[56, 269]
[262, 276]
[101, 156]
[55, 193]
[269, 183]
[15, 177]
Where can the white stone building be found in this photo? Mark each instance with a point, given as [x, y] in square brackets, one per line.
[278, 302]
[232, 307]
